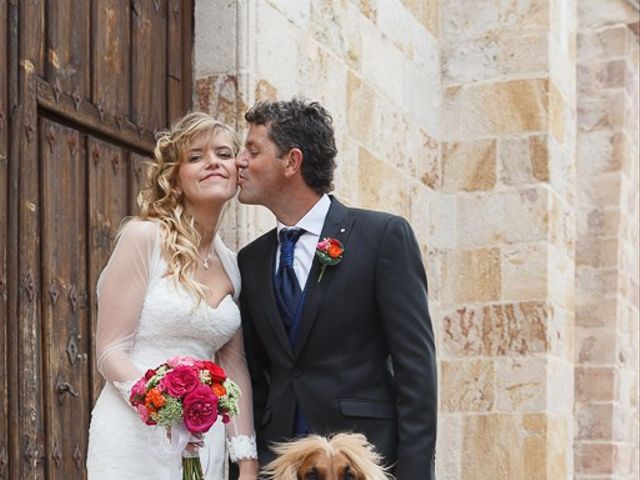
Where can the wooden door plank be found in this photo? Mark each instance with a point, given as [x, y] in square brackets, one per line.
[67, 49]
[108, 205]
[148, 64]
[64, 304]
[30, 436]
[4, 179]
[111, 47]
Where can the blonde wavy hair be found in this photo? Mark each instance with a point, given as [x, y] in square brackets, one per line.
[161, 202]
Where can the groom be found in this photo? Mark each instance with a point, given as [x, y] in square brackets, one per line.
[347, 347]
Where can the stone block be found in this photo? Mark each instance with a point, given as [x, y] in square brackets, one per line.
[505, 447]
[503, 217]
[594, 421]
[470, 275]
[215, 28]
[594, 77]
[524, 271]
[323, 77]
[597, 253]
[595, 384]
[521, 384]
[381, 186]
[558, 456]
[603, 111]
[269, 64]
[497, 330]
[362, 117]
[601, 190]
[422, 93]
[217, 95]
[380, 57]
[469, 166]
[523, 160]
[441, 221]
[600, 152]
[592, 284]
[603, 44]
[595, 14]
[495, 57]
[511, 107]
[595, 223]
[265, 91]
[423, 157]
[483, 18]
[596, 346]
[467, 386]
[594, 458]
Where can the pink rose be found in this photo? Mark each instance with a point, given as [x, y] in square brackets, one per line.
[180, 381]
[138, 392]
[144, 415]
[200, 409]
[180, 361]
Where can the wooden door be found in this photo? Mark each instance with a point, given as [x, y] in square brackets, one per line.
[86, 85]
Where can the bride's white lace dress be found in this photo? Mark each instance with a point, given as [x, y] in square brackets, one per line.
[143, 320]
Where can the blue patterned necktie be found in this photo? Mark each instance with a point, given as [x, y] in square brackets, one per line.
[287, 288]
[289, 296]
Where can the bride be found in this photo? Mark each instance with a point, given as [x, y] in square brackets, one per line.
[170, 288]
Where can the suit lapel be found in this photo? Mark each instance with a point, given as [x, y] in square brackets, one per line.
[337, 225]
[267, 296]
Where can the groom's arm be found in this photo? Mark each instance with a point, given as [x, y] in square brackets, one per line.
[401, 289]
[257, 360]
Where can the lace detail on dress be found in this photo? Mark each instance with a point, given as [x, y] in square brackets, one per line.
[242, 447]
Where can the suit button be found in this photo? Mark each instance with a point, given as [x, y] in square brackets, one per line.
[296, 373]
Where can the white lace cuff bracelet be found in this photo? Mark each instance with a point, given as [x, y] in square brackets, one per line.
[242, 447]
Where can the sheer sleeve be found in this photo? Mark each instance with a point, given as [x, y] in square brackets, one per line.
[241, 439]
[121, 291]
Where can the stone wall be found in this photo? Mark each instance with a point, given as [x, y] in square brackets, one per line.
[461, 115]
[607, 242]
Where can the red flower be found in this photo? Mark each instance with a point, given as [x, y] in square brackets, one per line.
[180, 381]
[218, 375]
[200, 409]
[150, 373]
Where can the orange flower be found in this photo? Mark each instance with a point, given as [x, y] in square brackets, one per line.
[219, 389]
[335, 251]
[154, 399]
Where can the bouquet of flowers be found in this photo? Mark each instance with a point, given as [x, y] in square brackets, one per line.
[186, 395]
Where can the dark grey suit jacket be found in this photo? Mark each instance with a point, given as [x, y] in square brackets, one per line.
[365, 356]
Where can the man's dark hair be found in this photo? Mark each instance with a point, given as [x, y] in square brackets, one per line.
[301, 124]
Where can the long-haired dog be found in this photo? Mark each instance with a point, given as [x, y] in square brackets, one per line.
[344, 456]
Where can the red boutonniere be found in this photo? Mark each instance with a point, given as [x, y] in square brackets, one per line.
[329, 252]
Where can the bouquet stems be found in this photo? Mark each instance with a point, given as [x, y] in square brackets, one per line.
[191, 467]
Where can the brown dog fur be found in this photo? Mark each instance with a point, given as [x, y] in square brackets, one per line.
[344, 456]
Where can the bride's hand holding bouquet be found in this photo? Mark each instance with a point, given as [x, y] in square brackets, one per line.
[186, 396]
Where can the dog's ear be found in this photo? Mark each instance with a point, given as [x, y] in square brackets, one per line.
[365, 460]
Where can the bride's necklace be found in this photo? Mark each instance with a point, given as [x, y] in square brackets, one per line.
[205, 259]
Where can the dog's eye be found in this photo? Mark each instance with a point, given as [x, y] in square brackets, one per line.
[349, 475]
[312, 475]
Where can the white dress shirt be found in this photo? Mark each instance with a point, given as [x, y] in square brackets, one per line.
[305, 250]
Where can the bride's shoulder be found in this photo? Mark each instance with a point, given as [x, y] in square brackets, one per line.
[222, 248]
[137, 230]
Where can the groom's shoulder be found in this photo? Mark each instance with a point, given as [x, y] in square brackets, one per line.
[376, 220]
[256, 246]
